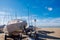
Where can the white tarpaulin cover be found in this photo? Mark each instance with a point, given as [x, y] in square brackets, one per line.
[15, 25]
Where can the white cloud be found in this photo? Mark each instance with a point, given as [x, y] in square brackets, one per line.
[50, 9]
[39, 22]
[48, 22]
[4, 17]
[2, 13]
[44, 22]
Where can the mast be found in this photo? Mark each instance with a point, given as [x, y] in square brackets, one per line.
[15, 14]
[28, 16]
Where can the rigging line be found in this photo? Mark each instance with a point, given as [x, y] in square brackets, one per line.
[15, 14]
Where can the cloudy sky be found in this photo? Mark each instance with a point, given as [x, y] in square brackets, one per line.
[46, 12]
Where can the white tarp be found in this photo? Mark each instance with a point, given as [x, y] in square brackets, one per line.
[15, 25]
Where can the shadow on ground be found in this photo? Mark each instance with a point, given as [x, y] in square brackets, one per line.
[43, 35]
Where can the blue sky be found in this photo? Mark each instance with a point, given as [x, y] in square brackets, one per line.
[47, 12]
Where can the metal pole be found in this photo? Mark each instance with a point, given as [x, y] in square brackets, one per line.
[28, 16]
[15, 15]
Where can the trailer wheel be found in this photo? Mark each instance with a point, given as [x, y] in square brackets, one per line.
[5, 37]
